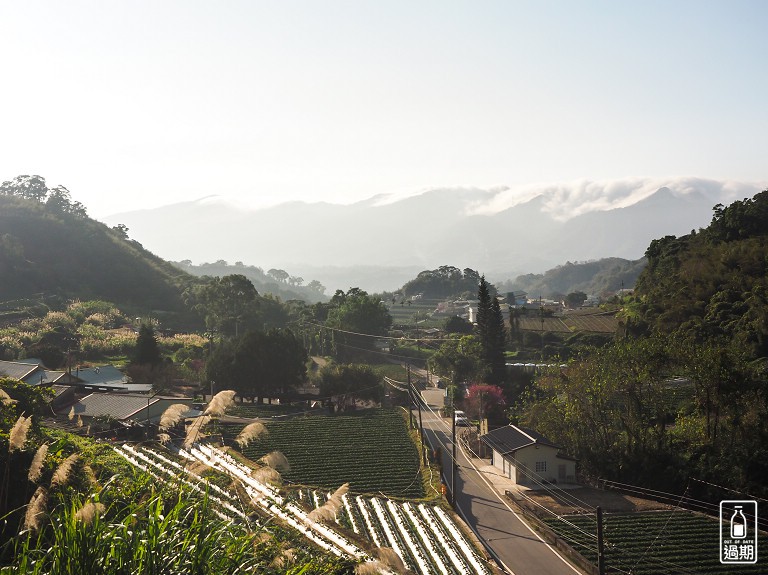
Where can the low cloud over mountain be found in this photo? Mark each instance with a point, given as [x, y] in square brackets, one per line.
[496, 230]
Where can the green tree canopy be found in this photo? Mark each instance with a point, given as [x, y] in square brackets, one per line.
[229, 304]
[258, 364]
[356, 316]
[347, 383]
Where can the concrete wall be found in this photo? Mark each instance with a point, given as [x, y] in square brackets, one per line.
[549, 468]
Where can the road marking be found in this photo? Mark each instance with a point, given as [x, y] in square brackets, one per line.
[496, 493]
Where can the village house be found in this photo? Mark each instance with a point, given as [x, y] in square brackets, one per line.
[528, 458]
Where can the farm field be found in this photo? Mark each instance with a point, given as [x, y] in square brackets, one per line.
[425, 537]
[403, 315]
[653, 542]
[370, 450]
[266, 411]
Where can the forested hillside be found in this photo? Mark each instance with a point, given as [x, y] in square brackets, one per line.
[50, 248]
[274, 281]
[681, 402]
[712, 284]
[599, 277]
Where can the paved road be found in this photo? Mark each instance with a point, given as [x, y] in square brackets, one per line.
[516, 547]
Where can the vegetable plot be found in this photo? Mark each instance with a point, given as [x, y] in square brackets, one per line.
[426, 539]
[653, 542]
[372, 452]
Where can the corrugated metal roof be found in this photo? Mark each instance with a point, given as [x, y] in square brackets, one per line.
[511, 438]
[118, 406]
[17, 369]
[100, 375]
[122, 406]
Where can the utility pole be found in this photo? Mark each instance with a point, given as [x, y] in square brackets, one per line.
[600, 543]
[421, 427]
[454, 463]
[410, 396]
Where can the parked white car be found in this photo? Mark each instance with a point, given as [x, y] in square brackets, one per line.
[461, 418]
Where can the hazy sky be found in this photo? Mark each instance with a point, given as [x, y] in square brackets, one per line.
[138, 104]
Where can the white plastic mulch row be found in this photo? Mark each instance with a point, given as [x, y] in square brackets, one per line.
[146, 464]
[416, 550]
[268, 498]
[429, 542]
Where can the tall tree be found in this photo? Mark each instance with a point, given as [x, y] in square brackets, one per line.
[229, 304]
[492, 333]
[356, 316]
[147, 351]
[348, 383]
[259, 365]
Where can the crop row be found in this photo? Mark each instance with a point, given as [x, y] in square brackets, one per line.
[426, 539]
[372, 452]
[652, 542]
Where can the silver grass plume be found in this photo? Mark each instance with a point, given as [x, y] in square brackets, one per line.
[163, 438]
[79, 421]
[287, 557]
[18, 436]
[64, 470]
[249, 433]
[6, 399]
[89, 511]
[71, 414]
[371, 568]
[389, 557]
[267, 475]
[36, 467]
[36, 509]
[220, 402]
[276, 461]
[194, 432]
[172, 416]
[196, 467]
[328, 510]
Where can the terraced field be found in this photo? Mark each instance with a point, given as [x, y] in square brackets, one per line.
[653, 542]
[371, 451]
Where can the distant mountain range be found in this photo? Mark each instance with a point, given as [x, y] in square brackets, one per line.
[498, 232]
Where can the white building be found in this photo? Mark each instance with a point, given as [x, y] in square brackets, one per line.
[528, 458]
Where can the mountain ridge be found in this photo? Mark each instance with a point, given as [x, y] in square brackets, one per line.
[469, 227]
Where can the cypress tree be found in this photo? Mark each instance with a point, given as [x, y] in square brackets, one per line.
[492, 333]
[147, 350]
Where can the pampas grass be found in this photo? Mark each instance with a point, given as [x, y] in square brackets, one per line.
[194, 432]
[287, 557]
[249, 433]
[36, 467]
[6, 399]
[63, 472]
[88, 512]
[36, 509]
[276, 461]
[370, 568]
[71, 414]
[267, 475]
[328, 510]
[197, 467]
[172, 416]
[18, 435]
[389, 557]
[220, 402]
[163, 438]
[79, 421]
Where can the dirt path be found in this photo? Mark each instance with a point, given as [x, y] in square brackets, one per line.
[572, 501]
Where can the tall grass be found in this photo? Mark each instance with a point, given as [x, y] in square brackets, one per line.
[160, 535]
